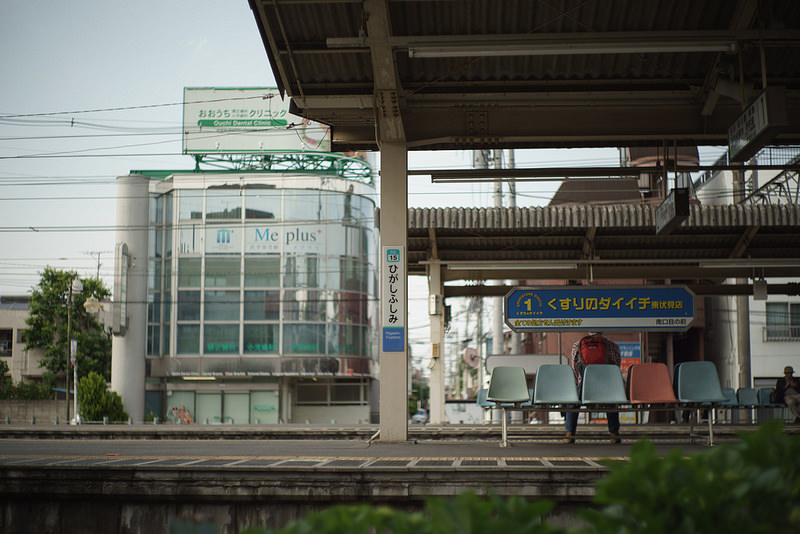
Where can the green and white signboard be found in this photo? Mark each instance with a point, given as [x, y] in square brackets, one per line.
[246, 121]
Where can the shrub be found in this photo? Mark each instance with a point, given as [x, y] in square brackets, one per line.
[97, 402]
[750, 486]
[465, 514]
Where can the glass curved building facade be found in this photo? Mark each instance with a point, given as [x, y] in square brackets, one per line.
[260, 297]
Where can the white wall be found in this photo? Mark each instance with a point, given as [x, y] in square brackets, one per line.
[468, 413]
[24, 364]
[768, 358]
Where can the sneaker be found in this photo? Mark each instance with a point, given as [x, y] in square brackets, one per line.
[569, 439]
[614, 438]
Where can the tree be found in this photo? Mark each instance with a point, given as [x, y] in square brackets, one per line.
[37, 390]
[96, 401]
[6, 383]
[47, 324]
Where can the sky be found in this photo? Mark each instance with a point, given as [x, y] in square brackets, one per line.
[93, 89]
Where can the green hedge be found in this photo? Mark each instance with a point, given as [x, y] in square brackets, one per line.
[751, 486]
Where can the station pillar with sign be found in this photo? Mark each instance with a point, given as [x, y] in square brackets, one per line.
[394, 294]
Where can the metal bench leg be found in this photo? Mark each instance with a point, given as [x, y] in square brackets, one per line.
[710, 432]
[504, 442]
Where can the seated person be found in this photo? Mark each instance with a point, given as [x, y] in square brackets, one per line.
[787, 391]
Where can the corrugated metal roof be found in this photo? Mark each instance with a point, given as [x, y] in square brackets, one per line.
[630, 94]
[615, 241]
[636, 218]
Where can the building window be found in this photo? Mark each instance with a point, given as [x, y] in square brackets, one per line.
[191, 239]
[304, 205]
[156, 236]
[6, 343]
[303, 305]
[261, 338]
[153, 340]
[349, 392]
[312, 394]
[221, 338]
[156, 209]
[223, 272]
[303, 338]
[263, 271]
[301, 271]
[783, 322]
[190, 204]
[188, 305]
[188, 339]
[153, 307]
[344, 339]
[221, 306]
[224, 203]
[262, 204]
[189, 272]
[262, 305]
[154, 275]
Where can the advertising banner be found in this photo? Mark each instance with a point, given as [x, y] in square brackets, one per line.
[246, 121]
[652, 308]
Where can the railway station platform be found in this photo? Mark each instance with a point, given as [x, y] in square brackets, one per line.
[139, 478]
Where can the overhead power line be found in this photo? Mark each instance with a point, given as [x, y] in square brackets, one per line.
[265, 96]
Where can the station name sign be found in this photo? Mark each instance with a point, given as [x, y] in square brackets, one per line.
[758, 124]
[651, 308]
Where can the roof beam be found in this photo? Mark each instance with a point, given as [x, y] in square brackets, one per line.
[744, 242]
[385, 77]
[546, 44]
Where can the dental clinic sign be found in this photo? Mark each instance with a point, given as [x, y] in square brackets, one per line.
[651, 308]
[265, 239]
[246, 121]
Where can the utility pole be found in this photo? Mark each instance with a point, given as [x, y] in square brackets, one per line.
[98, 253]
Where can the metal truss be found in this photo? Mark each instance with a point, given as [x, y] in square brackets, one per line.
[783, 189]
[318, 163]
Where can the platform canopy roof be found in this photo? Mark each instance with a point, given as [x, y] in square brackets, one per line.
[618, 243]
[455, 74]
[469, 74]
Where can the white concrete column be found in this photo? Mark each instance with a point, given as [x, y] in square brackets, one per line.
[128, 350]
[742, 303]
[394, 233]
[437, 366]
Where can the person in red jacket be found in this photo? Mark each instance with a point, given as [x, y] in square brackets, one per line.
[588, 350]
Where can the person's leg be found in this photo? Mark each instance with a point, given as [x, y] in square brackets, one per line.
[571, 419]
[613, 425]
[793, 402]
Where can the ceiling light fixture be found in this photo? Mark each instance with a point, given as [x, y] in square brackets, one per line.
[490, 49]
[509, 265]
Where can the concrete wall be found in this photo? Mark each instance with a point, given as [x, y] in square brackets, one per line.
[340, 415]
[23, 411]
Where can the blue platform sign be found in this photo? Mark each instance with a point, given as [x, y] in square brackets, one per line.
[393, 299]
[652, 308]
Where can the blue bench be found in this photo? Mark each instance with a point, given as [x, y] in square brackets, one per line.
[696, 387]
